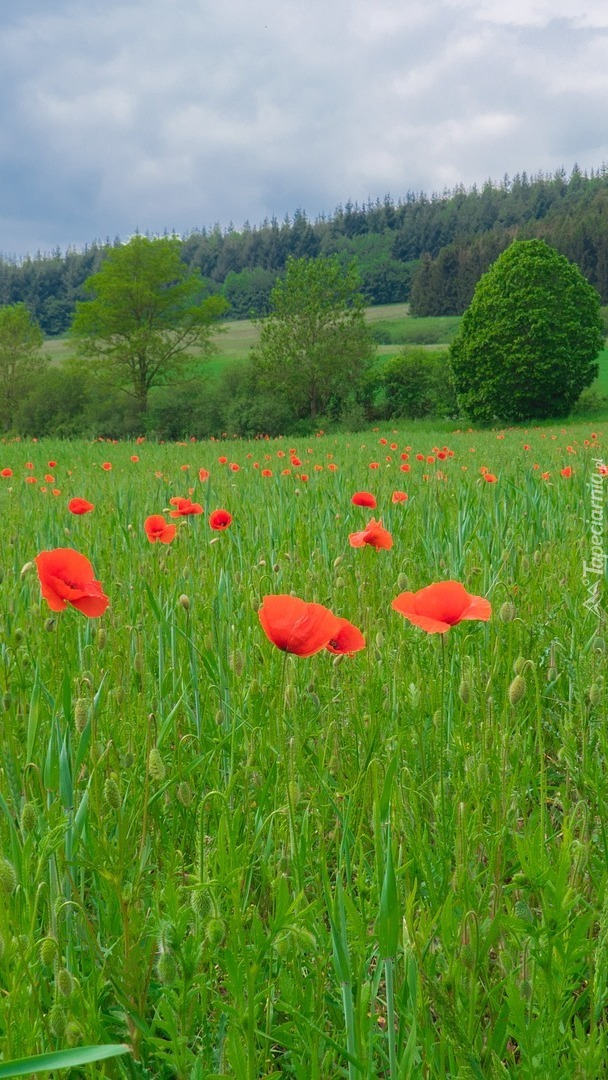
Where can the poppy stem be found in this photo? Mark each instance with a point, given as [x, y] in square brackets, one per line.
[442, 740]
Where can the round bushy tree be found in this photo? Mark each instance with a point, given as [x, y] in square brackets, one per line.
[528, 344]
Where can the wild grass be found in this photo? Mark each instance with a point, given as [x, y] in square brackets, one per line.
[246, 864]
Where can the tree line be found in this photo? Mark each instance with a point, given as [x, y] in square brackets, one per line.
[430, 250]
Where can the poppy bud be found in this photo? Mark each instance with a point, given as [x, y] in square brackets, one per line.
[138, 662]
[537, 558]
[111, 793]
[102, 637]
[49, 951]
[49, 625]
[208, 642]
[338, 659]
[464, 691]
[57, 1020]
[156, 765]
[379, 639]
[254, 687]
[402, 582]
[525, 564]
[340, 583]
[507, 612]
[238, 662]
[199, 902]
[594, 693]
[25, 569]
[73, 1034]
[184, 794]
[220, 717]
[523, 911]
[599, 644]
[519, 665]
[166, 969]
[81, 714]
[29, 817]
[64, 982]
[214, 931]
[517, 689]
[8, 876]
[184, 601]
[467, 956]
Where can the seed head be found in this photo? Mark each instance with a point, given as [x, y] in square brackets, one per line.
[517, 689]
[156, 765]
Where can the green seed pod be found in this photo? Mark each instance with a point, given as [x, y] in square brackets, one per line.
[49, 625]
[507, 611]
[29, 817]
[517, 689]
[111, 793]
[184, 793]
[48, 951]
[81, 714]
[340, 583]
[8, 876]
[73, 1034]
[64, 982]
[519, 665]
[379, 639]
[156, 765]
[402, 582]
[57, 1021]
[166, 969]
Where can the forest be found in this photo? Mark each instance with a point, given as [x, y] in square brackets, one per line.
[428, 250]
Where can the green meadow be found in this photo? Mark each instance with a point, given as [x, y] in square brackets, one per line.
[246, 863]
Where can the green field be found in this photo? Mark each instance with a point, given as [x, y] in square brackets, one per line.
[244, 863]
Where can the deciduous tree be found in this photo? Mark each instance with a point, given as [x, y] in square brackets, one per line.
[315, 342]
[148, 321]
[528, 344]
[21, 358]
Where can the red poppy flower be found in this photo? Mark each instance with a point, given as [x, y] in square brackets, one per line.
[222, 460]
[203, 474]
[52, 464]
[490, 478]
[297, 627]
[399, 497]
[158, 529]
[29, 464]
[567, 472]
[373, 534]
[220, 519]
[67, 577]
[266, 472]
[6, 473]
[374, 465]
[304, 477]
[80, 506]
[107, 465]
[184, 507]
[364, 498]
[348, 639]
[134, 457]
[439, 606]
[31, 480]
[295, 461]
[233, 465]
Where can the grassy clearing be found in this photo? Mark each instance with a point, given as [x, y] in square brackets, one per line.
[247, 864]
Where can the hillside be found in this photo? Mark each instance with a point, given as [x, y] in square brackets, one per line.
[429, 251]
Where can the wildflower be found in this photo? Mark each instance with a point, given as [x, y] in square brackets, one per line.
[220, 519]
[80, 506]
[399, 497]
[184, 507]
[134, 457]
[438, 607]
[364, 498]
[490, 478]
[203, 474]
[566, 472]
[297, 627]
[158, 529]
[107, 465]
[373, 534]
[67, 577]
[266, 472]
[6, 473]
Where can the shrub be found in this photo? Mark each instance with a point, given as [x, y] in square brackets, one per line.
[417, 383]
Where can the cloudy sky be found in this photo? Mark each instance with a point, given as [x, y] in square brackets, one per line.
[176, 114]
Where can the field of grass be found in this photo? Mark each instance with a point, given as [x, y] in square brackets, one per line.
[245, 863]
